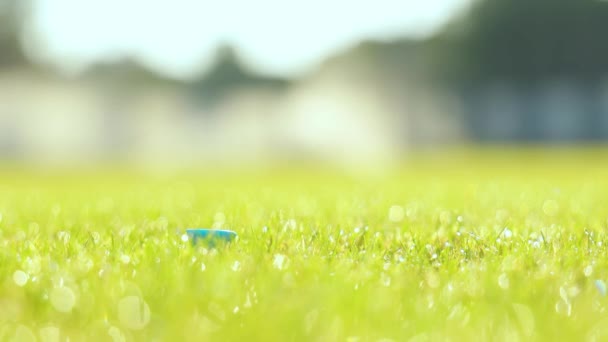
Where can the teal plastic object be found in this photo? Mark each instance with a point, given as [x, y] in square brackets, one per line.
[210, 237]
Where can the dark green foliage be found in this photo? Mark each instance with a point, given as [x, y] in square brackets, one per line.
[519, 40]
[12, 13]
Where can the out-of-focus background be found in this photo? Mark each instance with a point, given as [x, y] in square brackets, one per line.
[187, 81]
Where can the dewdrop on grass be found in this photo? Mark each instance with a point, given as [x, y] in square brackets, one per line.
[20, 278]
[63, 299]
[125, 259]
[503, 281]
[279, 261]
[236, 266]
[601, 286]
[385, 279]
[432, 280]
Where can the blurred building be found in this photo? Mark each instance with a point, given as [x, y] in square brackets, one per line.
[344, 111]
[506, 71]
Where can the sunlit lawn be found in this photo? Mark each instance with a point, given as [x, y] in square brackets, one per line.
[480, 248]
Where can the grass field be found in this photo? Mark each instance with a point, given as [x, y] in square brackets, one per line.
[476, 248]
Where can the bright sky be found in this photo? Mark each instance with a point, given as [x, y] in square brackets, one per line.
[178, 37]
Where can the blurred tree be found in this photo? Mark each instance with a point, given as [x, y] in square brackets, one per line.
[531, 40]
[387, 60]
[228, 74]
[12, 16]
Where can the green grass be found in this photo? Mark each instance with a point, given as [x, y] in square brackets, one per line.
[449, 249]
